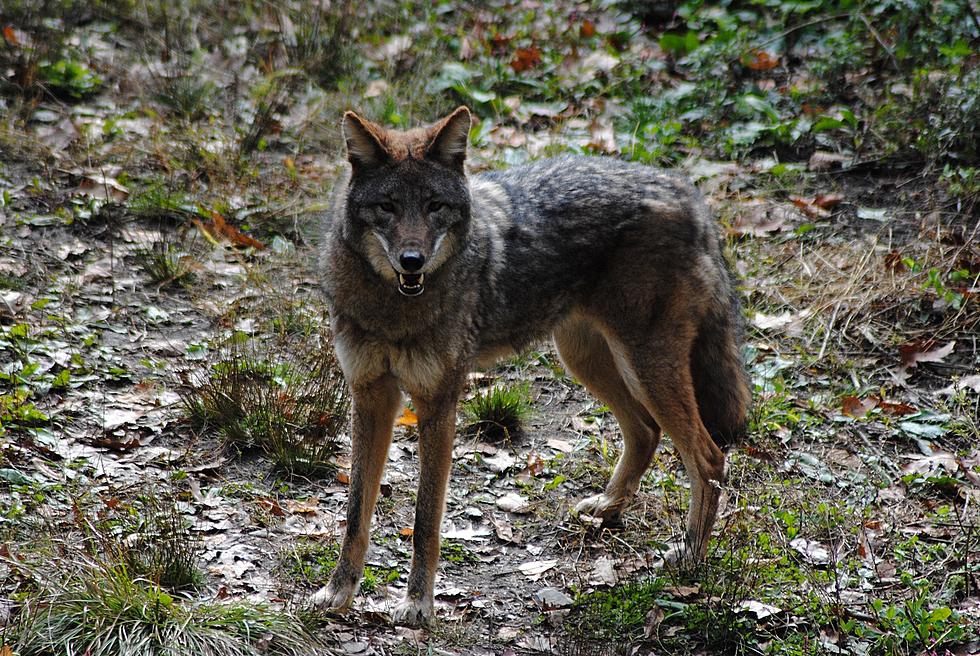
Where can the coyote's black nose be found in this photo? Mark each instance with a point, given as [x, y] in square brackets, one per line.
[411, 261]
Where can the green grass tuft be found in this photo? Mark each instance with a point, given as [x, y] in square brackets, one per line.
[268, 398]
[106, 611]
[499, 412]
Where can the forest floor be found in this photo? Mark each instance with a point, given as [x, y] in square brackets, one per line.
[173, 443]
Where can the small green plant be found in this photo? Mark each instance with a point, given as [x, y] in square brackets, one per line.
[452, 551]
[160, 545]
[165, 260]
[274, 399]
[185, 94]
[617, 615]
[313, 564]
[499, 412]
[104, 610]
[70, 78]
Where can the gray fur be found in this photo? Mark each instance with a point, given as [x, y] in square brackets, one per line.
[619, 261]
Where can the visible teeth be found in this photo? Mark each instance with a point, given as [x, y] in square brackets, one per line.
[411, 287]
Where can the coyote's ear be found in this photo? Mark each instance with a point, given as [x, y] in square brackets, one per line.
[448, 141]
[364, 142]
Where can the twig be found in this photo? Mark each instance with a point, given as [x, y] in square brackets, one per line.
[801, 26]
[881, 43]
[830, 328]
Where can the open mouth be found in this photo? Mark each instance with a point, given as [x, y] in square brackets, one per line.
[411, 284]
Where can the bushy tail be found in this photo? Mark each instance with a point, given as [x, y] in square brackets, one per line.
[721, 384]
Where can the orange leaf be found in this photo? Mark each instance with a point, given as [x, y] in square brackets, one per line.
[11, 37]
[809, 207]
[526, 58]
[408, 418]
[343, 478]
[233, 234]
[407, 532]
[587, 30]
[760, 60]
[897, 409]
[827, 201]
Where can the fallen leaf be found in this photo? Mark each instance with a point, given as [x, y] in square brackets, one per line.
[514, 502]
[932, 465]
[760, 60]
[501, 462]
[552, 599]
[966, 382]
[408, 418]
[233, 234]
[406, 532]
[503, 529]
[853, 406]
[759, 609]
[811, 550]
[587, 30]
[604, 572]
[308, 507]
[535, 568]
[894, 262]
[525, 58]
[603, 135]
[653, 621]
[826, 201]
[896, 409]
[11, 36]
[115, 417]
[920, 350]
[809, 207]
[767, 321]
[100, 186]
[872, 213]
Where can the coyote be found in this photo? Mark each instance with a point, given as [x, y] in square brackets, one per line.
[429, 273]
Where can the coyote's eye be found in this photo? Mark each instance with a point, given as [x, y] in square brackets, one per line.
[388, 207]
[435, 206]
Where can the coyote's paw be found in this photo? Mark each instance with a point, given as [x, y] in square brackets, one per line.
[607, 508]
[413, 612]
[333, 596]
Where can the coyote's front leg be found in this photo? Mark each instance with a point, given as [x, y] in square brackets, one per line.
[374, 406]
[437, 429]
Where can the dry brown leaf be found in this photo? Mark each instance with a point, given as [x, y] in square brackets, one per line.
[11, 36]
[525, 59]
[855, 407]
[587, 30]
[271, 506]
[897, 409]
[826, 201]
[893, 262]
[810, 207]
[308, 507]
[406, 532]
[924, 350]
